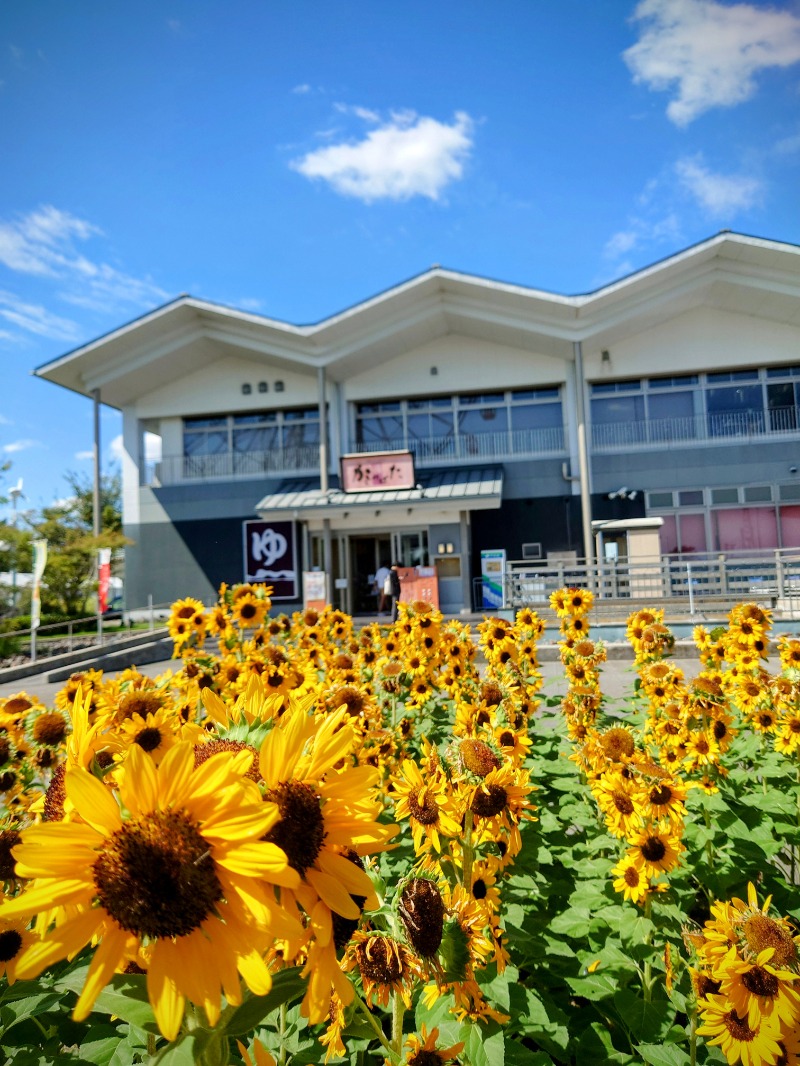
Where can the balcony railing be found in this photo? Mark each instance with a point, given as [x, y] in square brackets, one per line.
[733, 425]
[515, 443]
[176, 469]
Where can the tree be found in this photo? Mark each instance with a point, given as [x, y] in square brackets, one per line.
[71, 545]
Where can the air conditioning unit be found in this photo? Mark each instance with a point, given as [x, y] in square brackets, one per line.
[532, 550]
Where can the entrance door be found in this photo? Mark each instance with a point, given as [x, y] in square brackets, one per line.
[367, 553]
[411, 547]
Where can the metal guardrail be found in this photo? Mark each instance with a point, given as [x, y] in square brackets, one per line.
[512, 443]
[175, 469]
[777, 422]
[76, 630]
[686, 585]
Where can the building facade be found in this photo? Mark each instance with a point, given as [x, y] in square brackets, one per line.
[674, 392]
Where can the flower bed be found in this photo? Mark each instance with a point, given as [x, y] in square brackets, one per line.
[329, 844]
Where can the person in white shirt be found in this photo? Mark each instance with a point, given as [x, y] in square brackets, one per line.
[380, 581]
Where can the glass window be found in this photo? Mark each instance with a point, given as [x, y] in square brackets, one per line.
[204, 423]
[535, 394]
[483, 420]
[757, 493]
[734, 375]
[782, 403]
[483, 397]
[206, 443]
[735, 410]
[256, 439]
[671, 415]
[790, 527]
[724, 495]
[692, 532]
[668, 535]
[601, 388]
[660, 499]
[790, 492]
[256, 419]
[690, 497]
[669, 383]
[746, 528]
[536, 416]
[783, 372]
[618, 409]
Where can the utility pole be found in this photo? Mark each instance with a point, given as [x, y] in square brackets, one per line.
[15, 494]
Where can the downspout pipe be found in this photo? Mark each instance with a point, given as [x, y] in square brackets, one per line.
[584, 469]
[323, 483]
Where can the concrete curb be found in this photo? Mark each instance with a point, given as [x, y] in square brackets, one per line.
[85, 656]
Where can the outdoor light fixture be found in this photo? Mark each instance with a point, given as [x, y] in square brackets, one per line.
[434, 371]
[279, 386]
[246, 389]
[605, 356]
[445, 548]
[263, 386]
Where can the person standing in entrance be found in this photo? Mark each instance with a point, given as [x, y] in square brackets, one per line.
[394, 585]
[381, 575]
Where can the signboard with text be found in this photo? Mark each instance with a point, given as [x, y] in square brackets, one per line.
[377, 470]
[270, 555]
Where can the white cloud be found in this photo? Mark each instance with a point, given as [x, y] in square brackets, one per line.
[408, 155]
[88, 454]
[788, 145]
[36, 319]
[719, 194]
[641, 230]
[301, 90]
[364, 113]
[43, 243]
[20, 446]
[709, 52]
[5, 421]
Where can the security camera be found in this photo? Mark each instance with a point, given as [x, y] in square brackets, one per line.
[792, 469]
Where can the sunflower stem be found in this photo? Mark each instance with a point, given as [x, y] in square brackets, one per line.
[710, 855]
[398, 1012]
[282, 1033]
[647, 980]
[359, 1002]
[466, 870]
[693, 1036]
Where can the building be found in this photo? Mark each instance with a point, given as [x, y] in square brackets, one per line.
[682, 379]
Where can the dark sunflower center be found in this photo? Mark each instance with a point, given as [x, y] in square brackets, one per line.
[489, 801]
[479, 889]
[5, 750]
[379, 960]
[301, 828]
[156, 877]
[248, 610]
[760, 982]
[49, 728]
[738, 1027]
[763, 932]
[9, 838]
[653, 849]
[631, 876]
[661, 795]
[719, 730]
[55, 796]
[148, 739]
[422, 914]
[426, 812]
[617, 744]
[424, 1057]
[623, 803]
[10, 943]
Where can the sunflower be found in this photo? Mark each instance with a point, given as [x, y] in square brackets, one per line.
[427, 805]
[385, 964]
[422, 1049]
[619, 799]
[756, 989]
[14, 939]
[657, 849]
[249, 611]
[182, 622]
[155, 734]
[631, 880]
[754, 1045]
[182, 873]
[323, 812]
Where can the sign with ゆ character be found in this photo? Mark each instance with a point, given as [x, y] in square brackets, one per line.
[270, 555]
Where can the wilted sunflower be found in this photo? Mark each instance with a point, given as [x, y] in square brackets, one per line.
[423, 1050]
[386, 966]
[182, 872]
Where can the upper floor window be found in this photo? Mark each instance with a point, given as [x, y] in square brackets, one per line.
[258, 431]
[404, 423]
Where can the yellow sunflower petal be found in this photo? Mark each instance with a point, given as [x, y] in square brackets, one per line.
[139, 788]
[66, 940]
[162, 989]
[248, 823]
[259, 859]
[45, 894]
[334, 894]
[175, 773]
[351, 876]
[107, 958]
[93, 801]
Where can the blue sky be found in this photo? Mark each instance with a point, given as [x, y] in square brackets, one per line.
[293, 158]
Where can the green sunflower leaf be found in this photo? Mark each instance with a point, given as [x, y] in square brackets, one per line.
[287, 985]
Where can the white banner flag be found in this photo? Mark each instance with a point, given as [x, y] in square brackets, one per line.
[39, 561]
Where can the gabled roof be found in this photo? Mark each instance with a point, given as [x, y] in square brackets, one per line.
[729, 270]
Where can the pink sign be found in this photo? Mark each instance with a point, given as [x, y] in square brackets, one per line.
[378, 470]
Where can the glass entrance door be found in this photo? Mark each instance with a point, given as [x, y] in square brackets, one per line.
[410, 547]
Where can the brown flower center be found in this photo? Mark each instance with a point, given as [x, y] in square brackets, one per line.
[762, 932]
[738, 1027]
[10, 943]
[422, 914]
[9, 838]
[653, 849]
[148, 739]
[50, 728]
[300, 832]
[478, 757]
[622, 803]
[379, 960]
[156, 877]
[425, 812]
[760, 982]
[489, 801]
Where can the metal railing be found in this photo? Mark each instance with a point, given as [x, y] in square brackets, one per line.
[732, 425]
[175, 469]
[686, 585]
[513, 443]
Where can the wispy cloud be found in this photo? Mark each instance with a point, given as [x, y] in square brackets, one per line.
[407, 155]
[301, 90]
[5, 421]
[709, 53]
[44, 243]
[719, 194]
[20, 446]
[643, 231]
[88, 454]
[33, 318]
[152, 448]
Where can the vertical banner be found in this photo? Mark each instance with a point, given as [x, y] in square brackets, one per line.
[270, 555]
[39, 561]
[493, 566]
[103, 578]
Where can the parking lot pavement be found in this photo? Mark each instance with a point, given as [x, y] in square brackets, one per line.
[37, 685]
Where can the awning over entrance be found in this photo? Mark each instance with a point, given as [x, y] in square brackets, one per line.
[464, 489]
